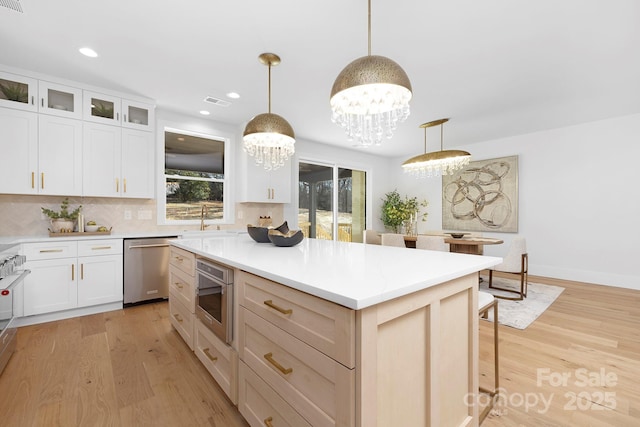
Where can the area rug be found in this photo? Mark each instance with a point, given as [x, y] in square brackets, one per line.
[520, 314]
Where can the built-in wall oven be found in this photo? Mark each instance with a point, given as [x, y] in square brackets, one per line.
[214, 299]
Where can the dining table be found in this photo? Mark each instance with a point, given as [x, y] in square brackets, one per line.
[465, 245]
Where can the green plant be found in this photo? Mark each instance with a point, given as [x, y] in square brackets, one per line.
[15, 92]
[102, 110]
[64, 211]
[396, 210]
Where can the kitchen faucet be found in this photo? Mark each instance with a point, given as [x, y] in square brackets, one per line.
[203, 212]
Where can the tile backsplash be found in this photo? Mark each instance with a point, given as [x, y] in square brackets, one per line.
[20, 215]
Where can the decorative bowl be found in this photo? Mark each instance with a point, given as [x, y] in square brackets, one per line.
[290, 238]
[261, 234]
[91, 228]
[458, 235]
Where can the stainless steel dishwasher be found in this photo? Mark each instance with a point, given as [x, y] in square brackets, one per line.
[146, 269]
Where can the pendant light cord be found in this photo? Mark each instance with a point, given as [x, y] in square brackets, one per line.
[269, 87]
[369, 29]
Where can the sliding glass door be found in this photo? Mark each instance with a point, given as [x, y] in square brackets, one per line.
[332, 202]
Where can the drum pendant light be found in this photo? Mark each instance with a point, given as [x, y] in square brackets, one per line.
[435, 163]
[269, 137]
[370, 97]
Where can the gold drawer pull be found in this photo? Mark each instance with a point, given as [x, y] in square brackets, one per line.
[178, 284]
[270, 359]
[42, 251]
[267, 422]
[178, 318]
[95, 248]
[269, 303]
[179, 258]
[206, 352]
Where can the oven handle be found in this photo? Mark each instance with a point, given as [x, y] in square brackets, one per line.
[19, 279]
[208, 276]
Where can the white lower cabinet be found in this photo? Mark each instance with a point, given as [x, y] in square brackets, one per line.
[220, 360]
[100, 265]
[51, 286]
[71, 274]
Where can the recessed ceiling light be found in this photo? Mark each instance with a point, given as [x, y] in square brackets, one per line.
[233, 95]
[204, 112]
[87, 51]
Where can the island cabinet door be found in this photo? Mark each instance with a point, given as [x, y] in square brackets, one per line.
[417, 359]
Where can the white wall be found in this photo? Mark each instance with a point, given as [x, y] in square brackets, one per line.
[578, 199]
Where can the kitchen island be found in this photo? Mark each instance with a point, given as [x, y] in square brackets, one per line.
[347, 334]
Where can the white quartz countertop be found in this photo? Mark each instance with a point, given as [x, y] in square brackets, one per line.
[354, 275]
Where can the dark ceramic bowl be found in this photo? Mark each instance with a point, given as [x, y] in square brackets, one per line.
[290, 238]
[458, 235]
[261, 234]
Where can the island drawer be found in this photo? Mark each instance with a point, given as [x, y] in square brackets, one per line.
[182, 320]
[260, 405]
[99, 247]
[321, 389]
[182, 287]
[184, 260]
[220, 360]
[50, 250]
[322, 324]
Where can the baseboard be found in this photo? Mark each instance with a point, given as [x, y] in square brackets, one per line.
[66, 314]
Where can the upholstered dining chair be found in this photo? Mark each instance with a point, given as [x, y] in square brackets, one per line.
[372, 237]
[392, 239]
[515, 262]
[433, 243]
[486, 302]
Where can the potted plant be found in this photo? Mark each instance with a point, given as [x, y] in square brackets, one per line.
[63, 221]
[397, 211]
[14, 92]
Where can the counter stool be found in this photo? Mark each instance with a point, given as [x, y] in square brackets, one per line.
[486, 302]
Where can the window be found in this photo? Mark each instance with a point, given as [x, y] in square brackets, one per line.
[194, 177]
[317, 202]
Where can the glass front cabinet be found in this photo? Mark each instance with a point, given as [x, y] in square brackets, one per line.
[18, 92]
[59, 100]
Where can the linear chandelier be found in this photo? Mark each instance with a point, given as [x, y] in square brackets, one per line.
[370, 97]
[269, 137]
[436, 163]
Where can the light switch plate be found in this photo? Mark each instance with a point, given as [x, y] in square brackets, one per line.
[127, 214]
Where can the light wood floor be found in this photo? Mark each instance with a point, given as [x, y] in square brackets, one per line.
[122, 368]
[129, 368]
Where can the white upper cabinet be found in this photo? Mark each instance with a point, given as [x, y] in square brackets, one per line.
[263, 186]
[59, 156]
[117, 162]
[101, 108]
[60, 100]
[137, 115]
[19, 145]
[18, 92]
[111, 110]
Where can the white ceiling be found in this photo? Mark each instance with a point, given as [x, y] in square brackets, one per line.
[496, 67]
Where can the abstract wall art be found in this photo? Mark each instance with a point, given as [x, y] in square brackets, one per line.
[483, 196]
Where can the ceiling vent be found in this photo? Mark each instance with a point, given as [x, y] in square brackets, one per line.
[212, 100]
[12, 4]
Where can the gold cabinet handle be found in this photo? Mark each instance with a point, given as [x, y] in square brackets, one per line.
[178, 317]
[33, 180]
[279, 367]
[124, 184]
[73, 272]
[269, 303]
[179, 258]
[82, 271]
[99, 248]
[178, 285]
[42, 251]
[42, 180]
[267, 422]
[117, 185]
[206, 352]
